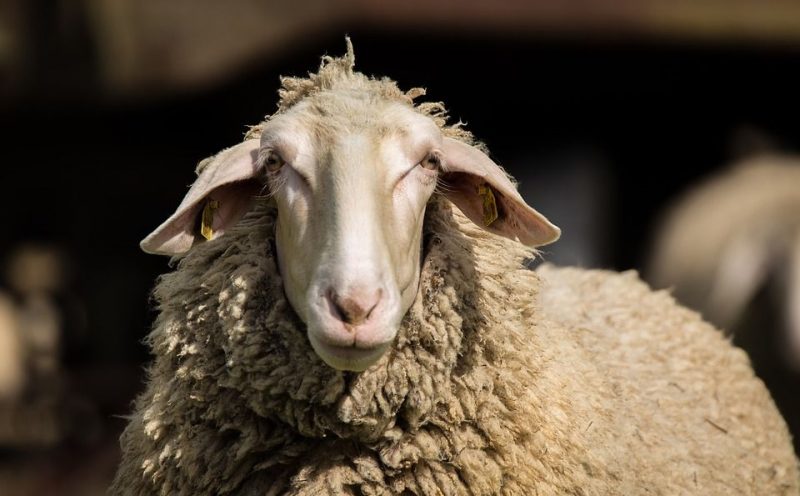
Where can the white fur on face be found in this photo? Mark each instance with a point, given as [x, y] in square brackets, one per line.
[351, 202]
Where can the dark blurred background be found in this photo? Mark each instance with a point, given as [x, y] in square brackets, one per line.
[604, 111]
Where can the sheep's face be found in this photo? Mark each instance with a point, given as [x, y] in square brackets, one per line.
[351, 173]
[351, 190]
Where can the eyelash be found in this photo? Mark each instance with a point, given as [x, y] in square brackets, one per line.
[428, 175]
[277, 179]
[274, 183]
[433, 158]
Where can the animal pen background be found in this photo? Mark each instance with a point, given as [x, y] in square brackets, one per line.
[604, 111]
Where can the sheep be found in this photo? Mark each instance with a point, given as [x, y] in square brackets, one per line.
[496, 380]
[719, 244]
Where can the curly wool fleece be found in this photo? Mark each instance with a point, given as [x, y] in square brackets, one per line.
[595, 385]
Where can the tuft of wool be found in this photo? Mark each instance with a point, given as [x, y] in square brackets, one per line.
[337, 73]
[592, 384]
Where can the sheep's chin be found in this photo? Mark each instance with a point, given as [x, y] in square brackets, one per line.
[347, 358]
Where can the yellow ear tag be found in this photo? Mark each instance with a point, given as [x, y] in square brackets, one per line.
[207, 219]
[489, 204]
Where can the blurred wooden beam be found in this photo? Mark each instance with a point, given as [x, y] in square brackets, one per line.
[719, 21]
[159, 45]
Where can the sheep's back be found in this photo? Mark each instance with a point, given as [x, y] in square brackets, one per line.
[683, 402]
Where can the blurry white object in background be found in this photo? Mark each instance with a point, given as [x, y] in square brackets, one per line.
[12, 370]
[731, 237]
[40, 321]
[35, 272]
[34, 268]
[32, 408]
[794, 302]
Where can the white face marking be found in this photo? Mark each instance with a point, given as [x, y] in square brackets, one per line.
[351, 202]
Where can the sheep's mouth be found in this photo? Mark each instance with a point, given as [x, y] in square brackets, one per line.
[351, 358]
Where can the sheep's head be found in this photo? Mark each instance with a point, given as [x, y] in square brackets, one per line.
[351, 164]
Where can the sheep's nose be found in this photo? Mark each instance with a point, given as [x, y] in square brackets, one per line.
[355, 307]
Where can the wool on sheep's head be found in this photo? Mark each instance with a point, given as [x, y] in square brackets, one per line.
[351, 163]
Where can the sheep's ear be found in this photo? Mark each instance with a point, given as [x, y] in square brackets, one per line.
[222, 193]
[483, 191]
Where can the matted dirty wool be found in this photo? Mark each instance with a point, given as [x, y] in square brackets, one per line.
[598, 386]
[237, 392]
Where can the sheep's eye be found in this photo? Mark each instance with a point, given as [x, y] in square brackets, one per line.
[274, 162]
[431, 162]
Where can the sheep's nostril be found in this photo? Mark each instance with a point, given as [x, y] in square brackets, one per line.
[355, 308]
